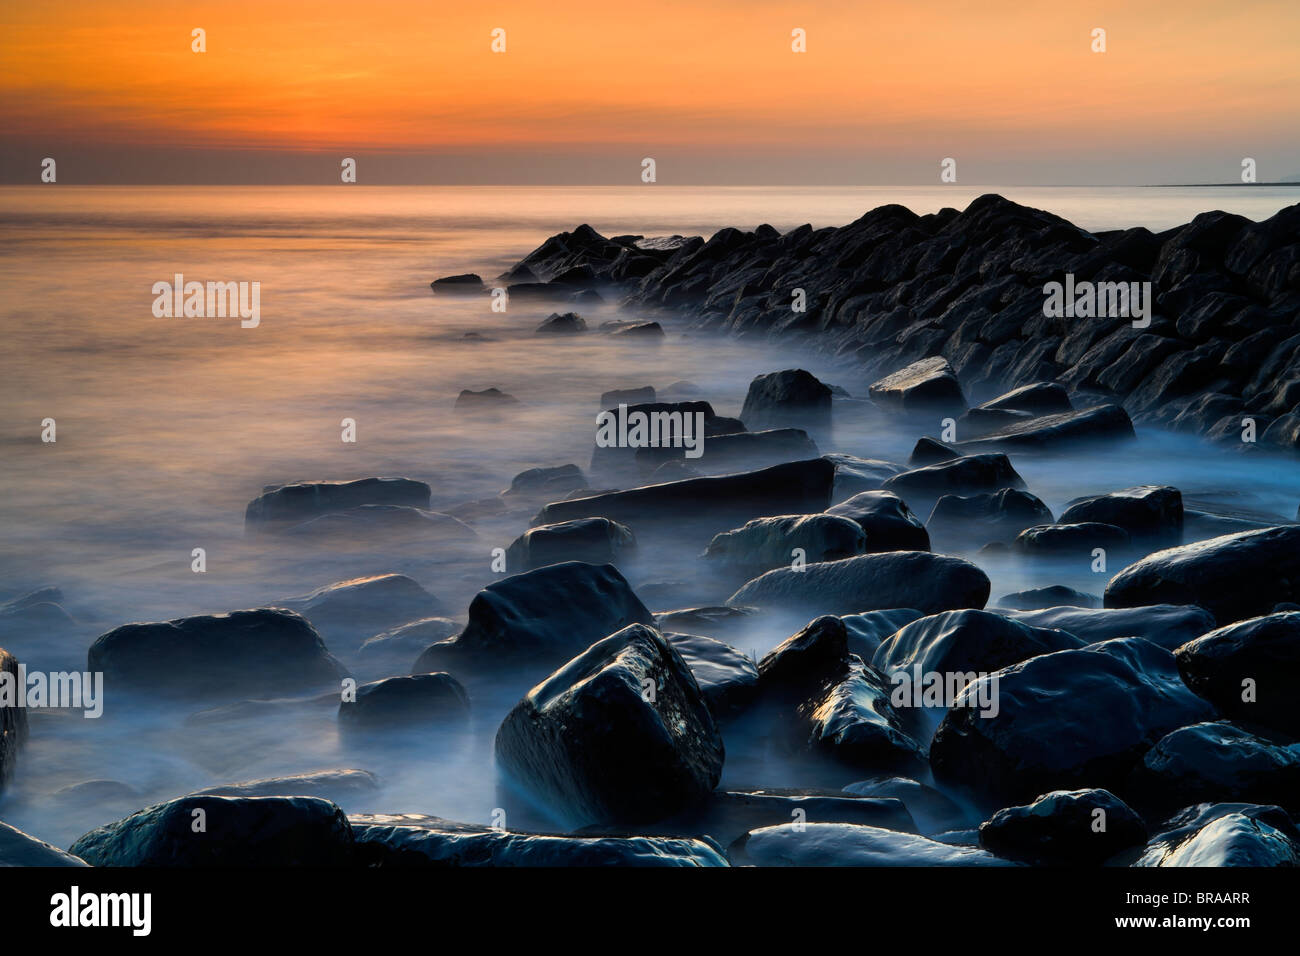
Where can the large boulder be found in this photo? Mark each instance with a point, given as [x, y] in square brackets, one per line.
[538, 619]
[282, 505]
[846, 844]
[414, 840]
[13, 718]
[871, 582]
[236, 832]
[1074, 718]
[620, 734]
[1249, 670]
[979, 519]
[766, 543]
[1225, 834]
[417, 700]
[593, 540]
[1104, 423]
[1147, 512]
[1064, 828]
[264, 652]
[1169, 625]
[354, 610]
[1234, 577]
[927, 386]
[887, 521]
[789, 397]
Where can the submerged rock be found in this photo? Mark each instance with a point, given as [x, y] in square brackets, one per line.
[1064, 828]
[353, 609]
[1056, 595]
[282, 505]
[1261, 655]
[845, 844]
[335, 785]
[620, 734]
[417, 700]
[593, 540]
[554, 481]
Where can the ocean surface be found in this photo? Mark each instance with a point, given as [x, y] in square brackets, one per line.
[167, 427]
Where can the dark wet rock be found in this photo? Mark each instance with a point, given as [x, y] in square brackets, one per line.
[353, 610]
[977, 519]
[465, 284]
[553, 481]
[645, 395]
[1041, 398]
[1104, 423]
[977, 422]
[931, 809]
[645, 331]
[566, 323]
[712, 621]
[487, 398]
[1056, 595]
[13, 719]
[1064, 828]
[555, 291]
[1071, 719]
[931, 451]
[1168, 625]
[739, 451]
[414, 840]
[766, 543]
[866, 631]
[888, 523]
[927, 386]
[240, 831]
[335, 785]
[1148, 512]
[538, 619]
[855, 475]
[715, 503]
[970, 474]
[1236, 576]
[262, 652]
[854, 722]
[416, 700]
[400, 645]
[593, 540]
[844, 844]
[281, 505]
[1072, 540]
[588, 741]
[790, 397]
[384, 523]
[1225, 834]
[40, 611]
[806, 662]
[19, 849]
[1249, 670]
[871, 582]
[727, 678]
[1217, 761]
[668, 423]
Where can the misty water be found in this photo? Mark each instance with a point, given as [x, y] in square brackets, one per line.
[166, 428]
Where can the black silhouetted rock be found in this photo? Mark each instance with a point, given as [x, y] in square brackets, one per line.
[13, 719]
[1066, 720]
[417, 700]
[264, 652]
[1168, 625]
[790, 397]
[484, 399]
[240, 832]
[354, 610]
[566, 323]
[1249, 670]
[931, 809]
[19, 849]
[871, 582]
[887, 521]
[1041, 398]
[931, 451]
[646, 331]
[927, 386]
[1056, 595]
[335, 785]
[1104, 423]
[845, 844]
[384, 523]
[1148, 512]
[1225, 834]
[594, 540]
[1072, 540]
[644, 395]
[466, 284]
[538, 619]
[414, 840]
[727, 678]
[1065, 828]
[620, 734]
[1234, 577]
[866, 631]
[978, 519]
[280, 505]
[766, 543]
[540, 482]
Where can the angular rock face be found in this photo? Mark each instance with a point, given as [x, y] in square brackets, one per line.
[281, 505]
[1148, 512]
[766, 543]
[929, 385]
[1061, 829]
[1225, 834]
[620, 734]
[413, 840]
[928, 582]
[265, 652]
[419, 700]
[1075, 718]
[1234, 577]
[1249, 670]
[805, 663]
[13, 720]
[240, 831]
[931, 451]
[593, 540]
[845, 844]
[1168, 625]
[889, 524]
[855, 723]
[1041, 398]
[567, 323]
[1105, 423]
[538, 619]
[790, 397]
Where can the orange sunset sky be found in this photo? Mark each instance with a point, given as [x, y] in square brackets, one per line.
[711, 89]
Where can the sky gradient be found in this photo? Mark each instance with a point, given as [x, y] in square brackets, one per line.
[710, 89]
